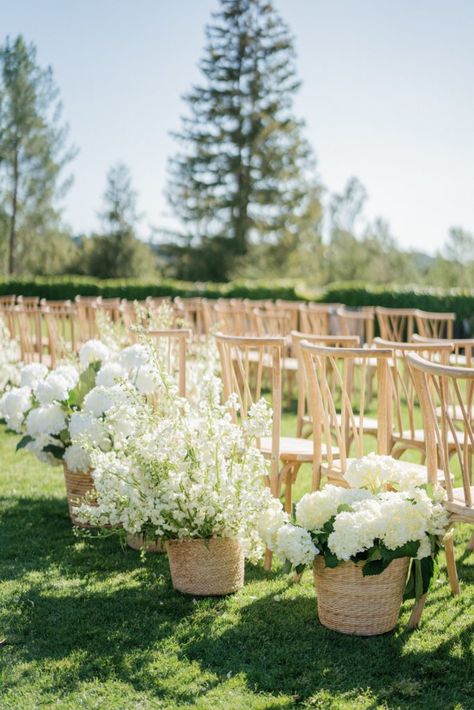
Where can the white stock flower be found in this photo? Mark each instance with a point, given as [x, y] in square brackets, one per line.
[270, 521]
[295, 545]
[31, 374]
[46, 419]
[13, 406]
[259, 420]
[145, 379]
[93, 351]
[54, 388]
[109, 374]
[76, 458]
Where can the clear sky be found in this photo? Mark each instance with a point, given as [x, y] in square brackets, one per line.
[387, 95]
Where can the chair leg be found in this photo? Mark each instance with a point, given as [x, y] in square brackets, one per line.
[451, 565]
[288, 489]
[267, 565]
[470, 544]
[416, 613]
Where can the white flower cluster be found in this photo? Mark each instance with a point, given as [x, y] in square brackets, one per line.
[389, 511]
[9, 360]
[185, 474]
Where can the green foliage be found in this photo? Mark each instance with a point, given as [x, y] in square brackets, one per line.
[33, 153]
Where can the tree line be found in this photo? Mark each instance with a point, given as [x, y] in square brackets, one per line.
[243, 183]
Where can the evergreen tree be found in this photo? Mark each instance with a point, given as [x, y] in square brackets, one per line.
[33, 152]
[240, 178]
[117, 252]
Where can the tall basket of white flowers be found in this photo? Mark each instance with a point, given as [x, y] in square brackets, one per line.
[371, 545]
[195, 480]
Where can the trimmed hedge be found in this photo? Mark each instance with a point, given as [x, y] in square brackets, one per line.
[458, 301]
[352, 294]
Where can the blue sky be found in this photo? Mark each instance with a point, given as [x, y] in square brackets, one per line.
[387, 95]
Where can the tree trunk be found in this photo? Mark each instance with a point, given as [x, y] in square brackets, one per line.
[12, 237]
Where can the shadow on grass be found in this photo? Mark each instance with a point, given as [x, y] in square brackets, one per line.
[106, 615]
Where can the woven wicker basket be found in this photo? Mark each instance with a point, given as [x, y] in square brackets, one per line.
[350, 603]
[78, 483]
[138, 542]
[206, 567]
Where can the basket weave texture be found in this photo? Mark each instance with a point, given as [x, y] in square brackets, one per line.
[137, 542]
[206, 567]
[350, 603]
[78, 483]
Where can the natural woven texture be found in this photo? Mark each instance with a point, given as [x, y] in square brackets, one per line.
[78, 483]
[206, 567]
[353, 604]
[138, 542]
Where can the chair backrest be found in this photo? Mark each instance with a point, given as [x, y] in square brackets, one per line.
[291, 309]
[435, 325]
[243, 362]
[445, 391]
[235, 319]
[405, 399]
[338, 408]
[360, 323]
[27, 324]
[191, 311]
[396, 324]
[315, 318]
[334, 341]
[272, 322]
[85, 308]
[462, 355]
[27, 302]
[7, 301]
[171, 347]
[60, 325]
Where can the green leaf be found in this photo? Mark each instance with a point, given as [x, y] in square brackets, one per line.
[84, 386]
[345, 508]
[409, 592]
[287, 567]
[331, 560]
[23, 442]
[375, 567]
[56, 451]
[299, 569]
[410, 549]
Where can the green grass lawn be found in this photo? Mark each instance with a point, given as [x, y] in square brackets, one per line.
[85, 624]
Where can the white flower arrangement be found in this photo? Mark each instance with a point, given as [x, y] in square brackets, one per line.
[186, 474]
[390, 514]
[9, 360]
[64, 412]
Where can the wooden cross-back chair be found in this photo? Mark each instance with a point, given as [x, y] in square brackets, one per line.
[360, 323]
[338, 409]
[396, 324]
[272, 322]
[191, 312]
[235, 319]
[243, 361]
[27, 325]
[85, 308]
[292, 310]
[7, 301]
[209, 315]
[439, 387]
[408, 434]
[316, 318]
[60, 326]
[463, 352]
[304, 425]
[27, 302]
[435, 325]
[171, 347]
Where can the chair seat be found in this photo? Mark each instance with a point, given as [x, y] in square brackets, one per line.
[335, 471]
[291, 448]
[418, 436]
[458, 506]
[289, 363]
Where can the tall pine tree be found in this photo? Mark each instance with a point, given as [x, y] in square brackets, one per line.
[33, 152]
[241, 176]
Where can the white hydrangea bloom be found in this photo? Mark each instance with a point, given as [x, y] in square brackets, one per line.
[313, 510]
[54, 388]
[46, 419]
[69, 373]
[109, 374]
[84, 428]
[134, 356]
[93, 351]
[145, 379]
[76, 458]
[31, 374]
[270, 521]
[372, 472]
[98, 400]
[295, 545]
[13, 406]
